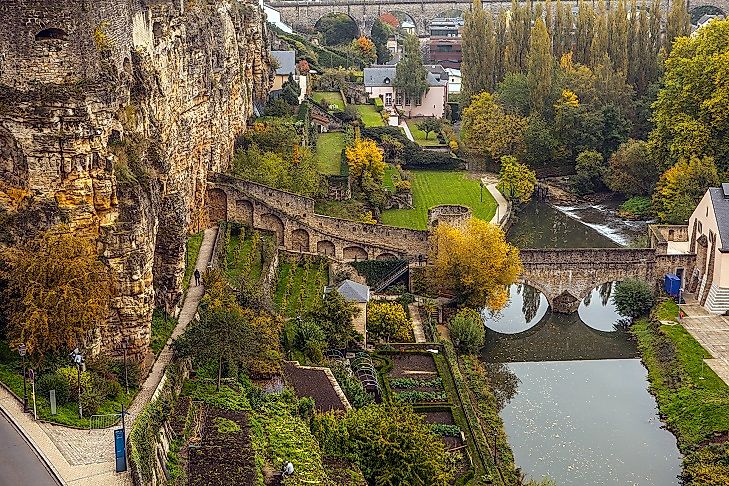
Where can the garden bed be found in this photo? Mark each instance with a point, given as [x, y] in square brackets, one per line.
[212, 463]
[412, 365]
[314, 383]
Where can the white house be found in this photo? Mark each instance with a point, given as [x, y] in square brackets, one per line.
[709, 238]
[454, 80]
[379, 79]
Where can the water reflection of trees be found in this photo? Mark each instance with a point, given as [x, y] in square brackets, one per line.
[531, 300]
[606, 291]
[504, 383]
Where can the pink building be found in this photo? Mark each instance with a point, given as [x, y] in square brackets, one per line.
[378, 82]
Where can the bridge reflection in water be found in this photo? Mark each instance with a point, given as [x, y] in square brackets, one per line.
[527, 330]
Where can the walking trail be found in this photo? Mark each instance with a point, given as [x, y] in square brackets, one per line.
[417, 323]
[502, 209]
[83, 457]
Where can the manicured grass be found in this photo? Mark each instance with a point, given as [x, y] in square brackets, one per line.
[193, 250]
[431, 188]
[300, 286]
[388, 181]
[419, 135]
[161, 330]
[329, 153]
[331, 98]
[370, 116]
[696, 406]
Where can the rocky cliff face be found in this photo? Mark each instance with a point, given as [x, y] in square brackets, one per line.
[111, 114]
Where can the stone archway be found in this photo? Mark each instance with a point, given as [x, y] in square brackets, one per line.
[244, 212]
[300, 240]
[355, 253]
[325, 247]
[216, 202]
[273, 223]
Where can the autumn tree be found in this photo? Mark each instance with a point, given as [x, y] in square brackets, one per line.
[474, 264]
[57, 292]
[618, 46]
[539, 67]
[388, 322]
[365, 49]
[678, 23]
[478, 48]
[681, 187]
[632, 170]
[516, 180]
[562, 30]
[584, 32]
[365, 160]
[410, 74]
[489, 131]
[690, 114]
[517, 40]
[296, 172]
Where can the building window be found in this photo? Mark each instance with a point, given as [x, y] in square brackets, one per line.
[418, 101]
[387, 80]
[398, 99]
[700, 229]
[388, 99]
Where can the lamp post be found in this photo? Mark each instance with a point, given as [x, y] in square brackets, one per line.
[22, 349]
[78, 360]
[125, 345]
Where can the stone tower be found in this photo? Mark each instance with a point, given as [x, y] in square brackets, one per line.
[112, 112]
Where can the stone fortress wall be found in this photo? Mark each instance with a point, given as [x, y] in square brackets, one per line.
[112, 112]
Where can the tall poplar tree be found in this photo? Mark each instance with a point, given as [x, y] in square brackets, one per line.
[410, 74]
[600, 37]
[678, 23]
[539, 66]
[517, 44]
[562, 30]
[584, 32]
[618, 45]
[477, 48]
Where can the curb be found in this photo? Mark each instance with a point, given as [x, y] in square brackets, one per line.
[38, 452]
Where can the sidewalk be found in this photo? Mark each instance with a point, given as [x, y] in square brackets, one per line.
[417, 324]
[503, 206]
[83, 457]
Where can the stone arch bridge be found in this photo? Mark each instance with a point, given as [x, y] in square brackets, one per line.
[302, 15]
[564, 276]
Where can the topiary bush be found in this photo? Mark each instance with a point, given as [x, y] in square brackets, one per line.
[54, 381]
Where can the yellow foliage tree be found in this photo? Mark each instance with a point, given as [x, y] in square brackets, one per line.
[681, 187]
[388, 322]
[489, 131]
[516, 180]
[57, 292]
[365, 158]
[475, 264]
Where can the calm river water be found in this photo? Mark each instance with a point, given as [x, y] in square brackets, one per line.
[580, 412]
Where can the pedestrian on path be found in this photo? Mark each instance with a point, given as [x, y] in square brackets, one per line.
[197, 277]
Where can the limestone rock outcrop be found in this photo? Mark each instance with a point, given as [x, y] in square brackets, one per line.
[112, 112]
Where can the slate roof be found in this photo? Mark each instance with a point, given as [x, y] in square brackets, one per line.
[377, 75]
[720, 203]
[354, 292]
[286, 61]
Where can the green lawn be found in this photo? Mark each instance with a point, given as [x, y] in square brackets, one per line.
[419, 135]
[370, 116]
[329, 153]
[331, 98]
[388, 181]
[431, 188]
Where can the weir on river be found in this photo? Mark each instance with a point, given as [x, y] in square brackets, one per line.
[580, 412]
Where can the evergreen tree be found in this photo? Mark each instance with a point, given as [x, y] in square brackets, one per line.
[539, 69]
[410, 74]
[380, 33]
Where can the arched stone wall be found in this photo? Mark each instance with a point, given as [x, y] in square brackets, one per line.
[243, 211]
[326, 247]
[300, 240]
[355, 253]
[217, 205]
[273, 223]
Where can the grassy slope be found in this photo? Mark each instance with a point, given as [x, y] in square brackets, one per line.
[387, 180]
[431, 188]
[419, 135]
[329, 153]
[332, 98]
[298, 274]
[370, 116]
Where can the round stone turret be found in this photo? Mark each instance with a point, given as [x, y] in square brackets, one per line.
[451, 214]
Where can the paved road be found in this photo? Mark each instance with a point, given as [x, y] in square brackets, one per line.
[18, 463]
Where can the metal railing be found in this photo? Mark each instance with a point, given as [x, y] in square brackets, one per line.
[103, 421]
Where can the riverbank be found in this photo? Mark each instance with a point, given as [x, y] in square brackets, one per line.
[692, 400]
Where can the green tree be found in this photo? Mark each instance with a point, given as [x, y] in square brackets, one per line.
[678, 23]
[57, 292]
[478, 47]
[290, 91]
[310, 340]
[590, 170]
[410, 74]
[681, 187]
[517, 41]
[334, 315]
[600, 37]
[512, 93]
[562, 31]
[489, 131]
[584, 32]
[632, 171]
[467, 331]
[391, 444]
[539, 67]
[690, 112]
[618, 47]
[541, 146]
[633, 298]
[380, 33]
[516, 180]
[337, 29]
[430, 125]
[296, 172]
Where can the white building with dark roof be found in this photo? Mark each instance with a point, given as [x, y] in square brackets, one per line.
[286, 65]
[379, 79]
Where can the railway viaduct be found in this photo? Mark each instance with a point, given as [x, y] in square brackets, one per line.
[564, 276]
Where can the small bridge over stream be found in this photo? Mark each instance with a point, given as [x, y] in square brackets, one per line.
[564, 276]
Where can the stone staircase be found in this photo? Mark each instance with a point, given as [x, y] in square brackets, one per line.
[718, 300]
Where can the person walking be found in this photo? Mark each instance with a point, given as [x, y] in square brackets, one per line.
[197, 277]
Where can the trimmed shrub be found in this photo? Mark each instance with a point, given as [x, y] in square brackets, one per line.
[413, 156]
[70, 374]
[54, 381]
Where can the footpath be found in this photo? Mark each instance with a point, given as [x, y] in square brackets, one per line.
[502, 209]
[86, 457]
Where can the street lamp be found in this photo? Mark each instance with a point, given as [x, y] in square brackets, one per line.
[22, 349]
[125, 345]
[78, 360]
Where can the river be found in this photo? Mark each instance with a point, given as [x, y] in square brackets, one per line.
[580, 412]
